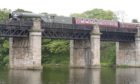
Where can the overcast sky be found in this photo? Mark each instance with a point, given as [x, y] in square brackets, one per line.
[128, 9]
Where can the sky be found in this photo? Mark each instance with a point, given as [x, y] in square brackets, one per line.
[125, 9]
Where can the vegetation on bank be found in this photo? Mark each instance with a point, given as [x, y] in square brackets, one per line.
[55, 52]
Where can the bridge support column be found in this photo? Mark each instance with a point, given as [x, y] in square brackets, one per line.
[128, 53]
[125, 54]
[86, 53]
[25, 53]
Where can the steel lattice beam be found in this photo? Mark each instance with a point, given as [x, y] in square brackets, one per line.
[65, 31]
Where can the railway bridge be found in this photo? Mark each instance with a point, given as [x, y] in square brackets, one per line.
[25, 35]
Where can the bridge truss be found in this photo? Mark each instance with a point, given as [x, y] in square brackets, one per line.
[65, 31]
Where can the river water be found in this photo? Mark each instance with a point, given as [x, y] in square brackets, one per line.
[65, 75]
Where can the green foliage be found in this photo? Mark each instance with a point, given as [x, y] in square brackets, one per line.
[97, 13]
[135, 21]
[4, 47]
[55, 51]
[108, 55]
[21, 10]
[4, 13]
[58, 46]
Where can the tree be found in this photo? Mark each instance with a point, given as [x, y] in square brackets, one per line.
[4, 47]
[55, 51]
[4, 13]
[134, 21]
[21, 10]
[97, 13]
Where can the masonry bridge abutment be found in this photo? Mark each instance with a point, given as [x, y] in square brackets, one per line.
[128, 53]
[86, 53]
[25, 53]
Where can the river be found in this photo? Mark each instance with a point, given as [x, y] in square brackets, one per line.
[65, 75]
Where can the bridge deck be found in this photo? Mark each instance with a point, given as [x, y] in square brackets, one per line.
[65, 31]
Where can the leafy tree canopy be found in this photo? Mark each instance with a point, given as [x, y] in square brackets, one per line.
[4, 13]
[134, 21]
[21, 10]
[97, 13]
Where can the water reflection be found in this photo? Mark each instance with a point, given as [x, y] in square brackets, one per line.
[84, 76]
[24, 77]
[71, 76]
[128, 76]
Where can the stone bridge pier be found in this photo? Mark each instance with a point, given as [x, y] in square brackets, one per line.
[25, 53]
[128, 53]
[86, 53]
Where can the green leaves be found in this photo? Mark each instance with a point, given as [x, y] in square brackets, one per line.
[108, 54]
[55, 46]
[58, 46]
[4, 47]
[55, 51]
[97, 13]
[4, 14]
